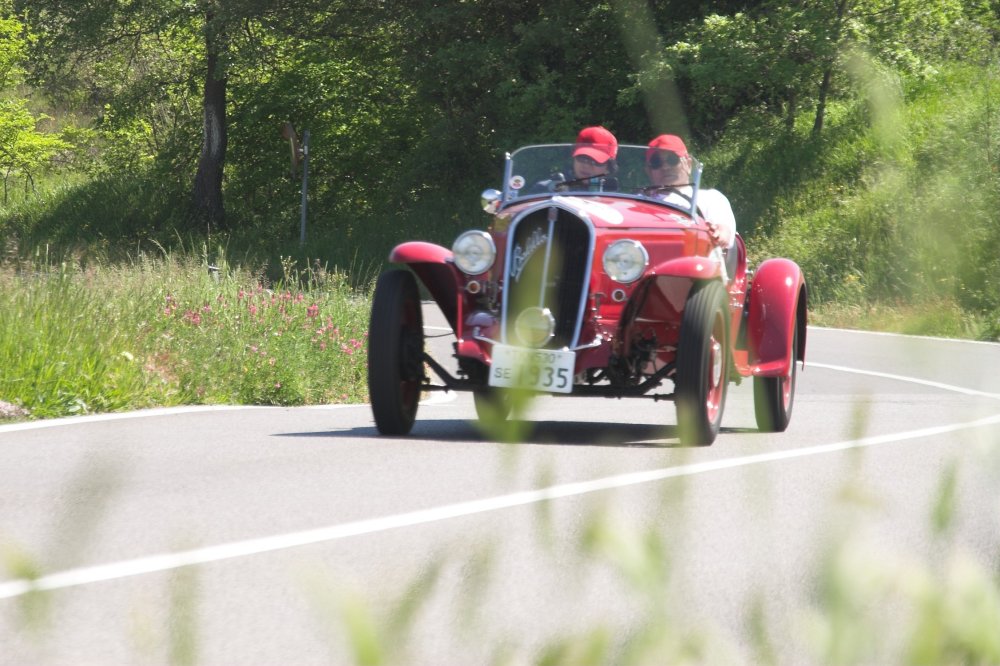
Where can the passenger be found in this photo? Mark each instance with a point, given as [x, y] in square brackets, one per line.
[594, 165]
[594, 156]
[668, 167]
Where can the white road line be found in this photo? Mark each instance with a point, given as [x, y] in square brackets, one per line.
[170, 561]
[143, 413]
[912, 380]
[905, 335]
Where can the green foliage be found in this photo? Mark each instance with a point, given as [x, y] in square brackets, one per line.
[177, 331]
[24, 151]
[871, 210]
[409, 113]
[13, 44]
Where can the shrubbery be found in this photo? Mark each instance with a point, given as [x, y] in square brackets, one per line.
[177, 331]
[905, 219]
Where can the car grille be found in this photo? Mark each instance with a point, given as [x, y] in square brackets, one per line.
[548, 266]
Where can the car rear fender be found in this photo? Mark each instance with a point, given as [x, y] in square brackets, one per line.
[777, 308]
[435, 267]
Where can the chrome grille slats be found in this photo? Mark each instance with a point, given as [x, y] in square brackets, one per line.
[548, 260]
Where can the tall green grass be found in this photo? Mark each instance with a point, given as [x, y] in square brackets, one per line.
[896, 206]
[176, 329]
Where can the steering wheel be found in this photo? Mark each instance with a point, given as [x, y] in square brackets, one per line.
[662, 189]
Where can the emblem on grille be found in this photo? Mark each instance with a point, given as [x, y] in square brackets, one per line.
[521, 255]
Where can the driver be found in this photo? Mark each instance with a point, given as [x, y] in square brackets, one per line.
[668, 167]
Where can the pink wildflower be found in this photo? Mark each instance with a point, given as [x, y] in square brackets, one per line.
[312, 310]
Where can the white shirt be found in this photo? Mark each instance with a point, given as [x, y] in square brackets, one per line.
[713, 204]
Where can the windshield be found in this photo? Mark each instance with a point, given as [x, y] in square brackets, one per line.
[544, 170]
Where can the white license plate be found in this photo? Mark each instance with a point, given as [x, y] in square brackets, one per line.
[535, 369]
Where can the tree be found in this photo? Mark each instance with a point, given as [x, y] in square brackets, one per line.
[23, 150]
[210, 36]
[207, 196]
[780, 57]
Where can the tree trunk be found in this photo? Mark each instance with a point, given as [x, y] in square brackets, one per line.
[791, 109]
[207, 195]
[824, 90]
[842, 10]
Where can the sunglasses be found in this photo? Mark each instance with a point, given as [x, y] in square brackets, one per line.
[665, 158]
[589, 161]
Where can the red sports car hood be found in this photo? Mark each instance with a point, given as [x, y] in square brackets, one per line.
[612, 212]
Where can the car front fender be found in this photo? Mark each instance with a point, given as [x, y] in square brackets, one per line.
[694, 268]
[777, 308]
[435, 267]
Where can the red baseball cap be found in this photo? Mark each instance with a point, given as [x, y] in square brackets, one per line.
[670, 142]
[596, 143]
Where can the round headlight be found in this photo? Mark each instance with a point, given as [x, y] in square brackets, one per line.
[474, 252]
[625, 260]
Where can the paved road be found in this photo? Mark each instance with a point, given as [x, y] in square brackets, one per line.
[273, 535]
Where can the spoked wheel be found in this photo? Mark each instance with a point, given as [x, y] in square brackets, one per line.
[395, 352]
[702, 365]
[773, 397]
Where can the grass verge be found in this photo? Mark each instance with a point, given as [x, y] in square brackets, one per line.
[172, 330]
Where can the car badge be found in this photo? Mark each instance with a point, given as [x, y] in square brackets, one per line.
[521, 255]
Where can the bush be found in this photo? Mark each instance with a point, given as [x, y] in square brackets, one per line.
[177, 330]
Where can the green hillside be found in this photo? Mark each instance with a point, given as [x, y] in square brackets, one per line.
[859, 139]
[895, 213]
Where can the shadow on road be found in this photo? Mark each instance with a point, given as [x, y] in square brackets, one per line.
[539, 433]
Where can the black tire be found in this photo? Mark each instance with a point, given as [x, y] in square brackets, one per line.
[773, 397]
[702, 365]
[395, 352]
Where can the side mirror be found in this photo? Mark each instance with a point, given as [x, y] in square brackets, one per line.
[490, 200]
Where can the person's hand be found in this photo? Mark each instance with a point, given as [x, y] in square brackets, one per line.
[722, 235]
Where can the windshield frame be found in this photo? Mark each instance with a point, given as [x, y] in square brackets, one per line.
[528, 168]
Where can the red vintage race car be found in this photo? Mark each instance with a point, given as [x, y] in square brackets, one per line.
[590, 287]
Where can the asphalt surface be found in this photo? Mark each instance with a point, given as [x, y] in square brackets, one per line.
[298, 535]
